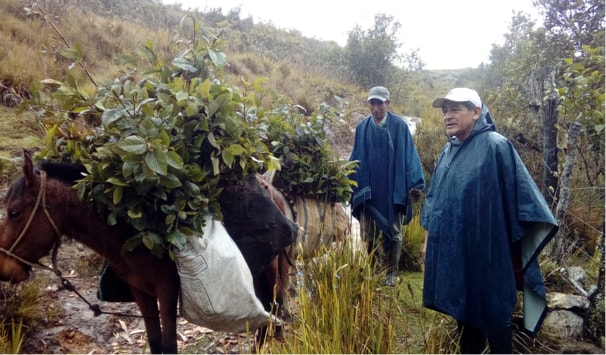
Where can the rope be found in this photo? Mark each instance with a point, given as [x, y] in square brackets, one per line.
[41, 198]
[31, 216]
[65, 284]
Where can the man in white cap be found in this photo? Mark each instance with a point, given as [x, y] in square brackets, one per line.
[388, 169]
[486, 223]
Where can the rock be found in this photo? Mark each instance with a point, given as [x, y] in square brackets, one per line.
[568, 324]
[576, 276]
[575, 303]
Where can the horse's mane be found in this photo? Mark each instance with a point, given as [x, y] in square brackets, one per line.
[68, 173]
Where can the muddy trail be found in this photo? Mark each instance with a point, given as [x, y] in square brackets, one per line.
[69, 325]
[77, 329]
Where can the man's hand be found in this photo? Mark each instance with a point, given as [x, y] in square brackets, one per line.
[415, 194]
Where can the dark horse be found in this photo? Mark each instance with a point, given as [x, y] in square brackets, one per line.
[41, 207]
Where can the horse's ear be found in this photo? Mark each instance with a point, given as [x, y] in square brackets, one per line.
[28, 168]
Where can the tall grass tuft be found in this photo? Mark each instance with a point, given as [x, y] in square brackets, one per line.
[414, 244]
[342, 308]
[11, 337]
[20, 310]
[441, 337]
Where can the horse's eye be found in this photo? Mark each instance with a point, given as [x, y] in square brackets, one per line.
[13, 214]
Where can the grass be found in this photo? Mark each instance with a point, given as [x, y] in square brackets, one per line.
[11, 337]
[21, 311]
[343, 307]
[336, 282]
[17, 133]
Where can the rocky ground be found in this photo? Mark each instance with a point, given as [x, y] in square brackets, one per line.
[78, 330]
[71, 327]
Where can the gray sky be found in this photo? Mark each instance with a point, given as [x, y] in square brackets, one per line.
[450, 34]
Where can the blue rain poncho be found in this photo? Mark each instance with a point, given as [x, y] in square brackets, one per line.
[389, 166]
[485, 217]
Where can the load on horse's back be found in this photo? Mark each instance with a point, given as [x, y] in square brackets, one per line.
[320, 223]
[42, 206]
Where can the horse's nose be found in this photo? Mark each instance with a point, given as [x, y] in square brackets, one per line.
[12, 271]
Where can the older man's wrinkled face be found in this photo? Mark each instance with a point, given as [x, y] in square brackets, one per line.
[378, 108]
[458, 119]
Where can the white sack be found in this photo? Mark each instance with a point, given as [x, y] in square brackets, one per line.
[217, 289]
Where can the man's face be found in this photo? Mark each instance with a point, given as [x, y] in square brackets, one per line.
[458, 119]
[378, 108]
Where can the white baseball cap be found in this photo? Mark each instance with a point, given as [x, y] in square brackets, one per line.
[459, 95]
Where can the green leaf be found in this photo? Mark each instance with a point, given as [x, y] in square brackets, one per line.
[134, 214]
[147, 128]
[170, 219]
[215, 163]
[213, 141]
[170, 181]
[117, 195]
[150, 240]
[174, 160]
[156, 161]
[228, 158]
[128, 168]
[204, 89]
[164, 138]
[110, 116]
[191, 109]
[51, 82]
[188, 231]
[133, 144]
[111, 219]
[235, 149]
[177, 239]
[181, 96]
[116, 181]
[191, 188]
[218, 58]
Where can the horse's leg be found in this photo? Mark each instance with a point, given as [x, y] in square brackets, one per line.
[168, 298]
[264, 292]
[148, 305]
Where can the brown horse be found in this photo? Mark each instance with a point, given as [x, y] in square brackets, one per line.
[41, 207]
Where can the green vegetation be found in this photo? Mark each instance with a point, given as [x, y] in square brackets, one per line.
[251, 96]
[22, 310]
[158, 150]
[309, 166]
[342, 310]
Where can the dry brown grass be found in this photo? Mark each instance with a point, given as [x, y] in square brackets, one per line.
[30, 48]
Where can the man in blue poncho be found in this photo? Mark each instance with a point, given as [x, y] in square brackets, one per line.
[389, 168]
[486, 223]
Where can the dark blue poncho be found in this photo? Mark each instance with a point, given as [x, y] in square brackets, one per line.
[482, 210]
[390, 149]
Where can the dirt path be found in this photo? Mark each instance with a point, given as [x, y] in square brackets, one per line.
[72, 327]
[78, 330]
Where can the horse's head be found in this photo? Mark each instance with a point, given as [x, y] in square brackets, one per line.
[26, 233]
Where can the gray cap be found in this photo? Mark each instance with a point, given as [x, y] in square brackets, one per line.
[378, 92]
